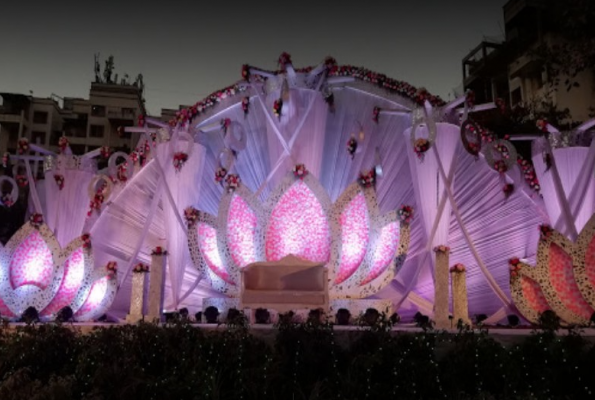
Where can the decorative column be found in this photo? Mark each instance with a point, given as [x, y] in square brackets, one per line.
[137, 294]
[441, 287]
[460, 306]
[156, 284]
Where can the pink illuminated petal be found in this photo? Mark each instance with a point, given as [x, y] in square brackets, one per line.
[562, 279]
[31, 263]
[74, 270]
[354, 236]
[298, 226]
[241, 232]
[4, 310]
[385, 251]
[95, 298]
[590, 262]
[533, 294]
[207, 243]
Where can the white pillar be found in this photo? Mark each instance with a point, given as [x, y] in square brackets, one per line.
[156, 287]
[136, 298]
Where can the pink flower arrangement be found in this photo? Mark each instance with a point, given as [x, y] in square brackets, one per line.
[23, 146]
[542, 124]
[277, 107]
[441, 249]
[63, 144]
[457, 268]
[545, 231]
[352, 147]
[105, 151]
[160, 251]
[246, 105]
[22, 180]
[120, 131]
[191, 215]
[405, 214]
[500, 166]
[97, 201]
[112, 269]
[121, 175]
[86, 238]
[529, 173]
[59, 181]
[36, 220]
[421, 95]
[421, 147]
[225, 122]
[330, 63]
[376, 114]
[140, 268]
[246, 72]
[180, 159]
[300, 171]
[220, 174]
[368, 179]
[515, 266]
[141, 120]
[284, 59]
[233, 182]
[6, 200]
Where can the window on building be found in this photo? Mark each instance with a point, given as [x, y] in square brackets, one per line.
[77, 148]
[128, 112]
[40, 117]
[97, 131]
[98, 111]
[38, 137]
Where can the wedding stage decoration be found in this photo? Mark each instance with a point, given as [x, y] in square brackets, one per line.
[335, 164]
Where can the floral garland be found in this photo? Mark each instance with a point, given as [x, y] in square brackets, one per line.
[421, 147]
[352, 147]
[121, 174]
[112, 269]
[330, 63]
[284, 60]
[405, 214]
[36, 220]
[421, 95]
[179, 160]
[246, 72]
[59, 181]
[191, 215]
[97, 202]
[140, 268]
[368, 179]
[277, 107]
[233, 181]
[441, 249]
[105, 151]
[21, 180]
[246, 105]
[300, 171]
[23, 146]
[220, 174]
[63, 144]
[376, 114]
[542, 125]
[515, 266]
[500, 166]
[140, 120]
[86, 238]
[508, 189]
[458, 268]
[545, 231]
[225, 123]
[160, 251]
[5, 159]
[529, 173]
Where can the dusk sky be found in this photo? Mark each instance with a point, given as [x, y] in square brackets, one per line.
[186, 50]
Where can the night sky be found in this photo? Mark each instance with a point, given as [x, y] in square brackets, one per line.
[186, 50]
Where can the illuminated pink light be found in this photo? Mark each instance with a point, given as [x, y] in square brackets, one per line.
[298, 226]
[74, 270]
[533, 295]
[31, 263]
[590, 262]
[4, 310]
[241, 232]
[354, 236]
[95, 297]
[562, 279]
[385, 251]
[207, 243]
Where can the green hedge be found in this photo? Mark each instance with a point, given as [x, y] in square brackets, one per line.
[303, 361]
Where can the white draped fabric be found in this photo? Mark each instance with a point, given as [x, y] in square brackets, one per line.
[571, 163]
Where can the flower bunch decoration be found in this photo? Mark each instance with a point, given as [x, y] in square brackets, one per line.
[97, 202]
[105, 151]
[457, 268]
[277, 107]
[300, 171]
[121, 174]
[470, 98]
[330, 63]
[141, 120]
[140, 268]
[503, 150]
[86, 238]
[63, 144]
[6, 200]
[405, 214]
[112, 269]
[421, 147]
[515, 266]
[22, 180]
[233, 181]
[59, 181]
[368, 179]
[545, 231]
[120, 131]
[134, 156]
[160, 251]
[500, 166]
[421, 95]
[542, 124]
[352, 146]
[23, 146]
[246, 105]
[225, 123]
[220, 174]
[36, 220]
[191, 216]
[246, 72]
[284, 59]
[529, 173]
[501, 105]
[508, 189]
[376, 114]
[180, 159]
[5, 159]
[441, 249]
